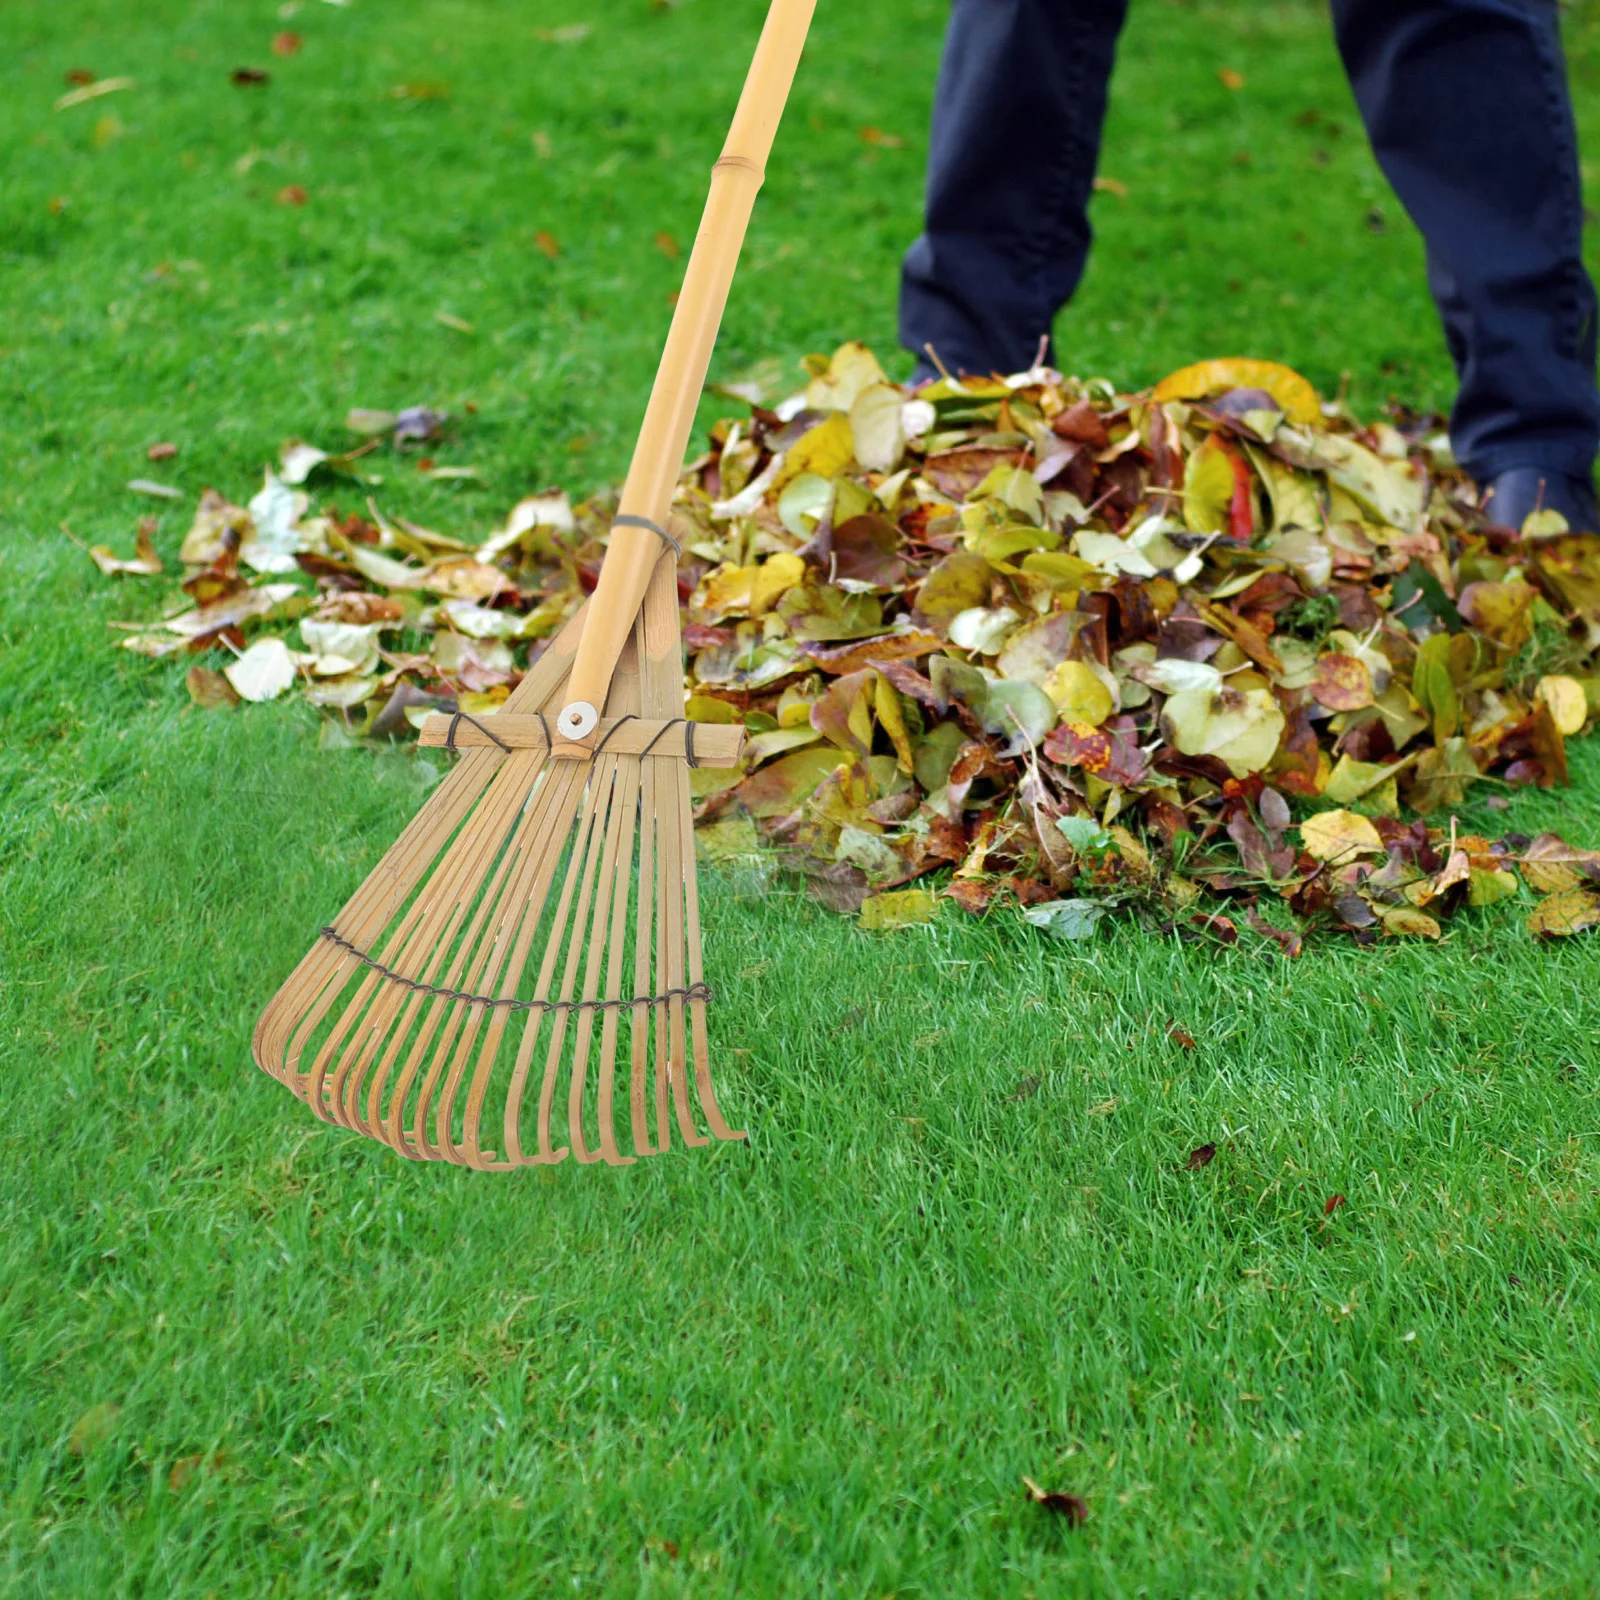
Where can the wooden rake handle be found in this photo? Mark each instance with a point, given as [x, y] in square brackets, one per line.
[657, 457]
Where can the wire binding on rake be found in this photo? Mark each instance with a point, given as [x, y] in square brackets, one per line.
[628, 520]
[694, 992]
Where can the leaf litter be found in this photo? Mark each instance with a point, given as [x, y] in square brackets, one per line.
[1015, 639]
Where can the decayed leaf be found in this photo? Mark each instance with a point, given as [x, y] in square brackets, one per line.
[1408, 920]
[903, 908]
[263, 672]
[1560, 915]
[1340, 836]
[210, 689]
[1070, 1506]
[145, 563]
[93, 1427]
[1342, 683]
[1239, 727]
[1066, 919]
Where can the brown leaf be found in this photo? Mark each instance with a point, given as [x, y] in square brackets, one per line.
[145, 563]
[1342, 683]
[668, 246]
[1332, 1204]
[1070, 1506]
[1181, 1036]
[286, 44]
[1201, 1156]
[545, 243]
[249, 78]
[1025, 1090]
[210, 689]
[291, 194]
[161, 452]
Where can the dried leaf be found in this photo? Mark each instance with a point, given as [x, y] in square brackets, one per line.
[1561, 915]
[1340, 836]
[263, 672]
[1070, 1506]
[904, 908]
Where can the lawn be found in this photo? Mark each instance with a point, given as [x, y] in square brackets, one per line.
[242, 1354]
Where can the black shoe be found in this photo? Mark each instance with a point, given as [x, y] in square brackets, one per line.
[1511, 497]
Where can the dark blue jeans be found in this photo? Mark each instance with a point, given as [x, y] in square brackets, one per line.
[1466, 104]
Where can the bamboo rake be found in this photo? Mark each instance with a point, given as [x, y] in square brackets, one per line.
[539, 918]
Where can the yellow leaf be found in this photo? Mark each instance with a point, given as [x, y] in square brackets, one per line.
[903, 908]
[1571, 911]
[1408, 920]
[774, 578]
[1076, 692]
[891, 718]
[1207, 488]
[1284, 384]
[1569, 708]
[825, 450]
[1489, 888]
[1339, 835]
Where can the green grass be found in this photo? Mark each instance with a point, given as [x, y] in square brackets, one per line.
[817, 1364]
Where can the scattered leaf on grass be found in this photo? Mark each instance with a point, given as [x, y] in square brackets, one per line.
[156, 491]
[1066, 919]
[187, 1467]
[1332, 1204]
[161, 452]
[93, 1427]
[1408, 921]
[93, 91]
[286, 44]
[249, 78]
[1070, 1506]
[1559, 915]
[1230, 78]
[567, 33]
[145, 563]
[545, 242]
[1181, 1037]
[1201, 1156]
[1025, 1090]
[291, 194]
[210, 689]
[903, 908]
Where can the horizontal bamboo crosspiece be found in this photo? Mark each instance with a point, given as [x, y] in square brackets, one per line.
[710, 744]
[533, 937]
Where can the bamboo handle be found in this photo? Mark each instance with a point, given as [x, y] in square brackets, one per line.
[664, 435]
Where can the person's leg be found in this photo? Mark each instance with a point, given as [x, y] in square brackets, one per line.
[1466, 104]
[1016, 131]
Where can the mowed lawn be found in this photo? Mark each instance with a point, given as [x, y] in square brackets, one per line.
[242, 1354]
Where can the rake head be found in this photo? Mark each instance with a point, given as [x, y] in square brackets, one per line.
[537, 921]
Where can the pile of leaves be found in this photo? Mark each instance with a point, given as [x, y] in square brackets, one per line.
[1063, 646]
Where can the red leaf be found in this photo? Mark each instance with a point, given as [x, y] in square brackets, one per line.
[1333, 1203]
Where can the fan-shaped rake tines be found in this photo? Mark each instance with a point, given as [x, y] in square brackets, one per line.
[537, 922]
